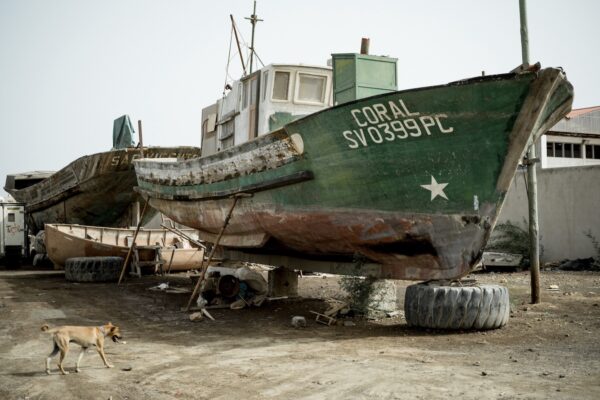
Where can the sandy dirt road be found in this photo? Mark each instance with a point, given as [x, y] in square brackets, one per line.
[547, 351]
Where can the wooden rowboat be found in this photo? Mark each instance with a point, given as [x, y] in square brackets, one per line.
[64, 241]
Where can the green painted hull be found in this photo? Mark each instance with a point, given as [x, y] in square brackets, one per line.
[411, 181]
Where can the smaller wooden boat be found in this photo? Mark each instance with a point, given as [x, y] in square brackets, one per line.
[65, 241]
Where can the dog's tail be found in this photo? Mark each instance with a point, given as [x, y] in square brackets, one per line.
[45, 327]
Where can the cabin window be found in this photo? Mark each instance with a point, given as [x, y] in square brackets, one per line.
[281, 85]
[227, 134]
[245, 94]
[311, 88]
[228, 129]
[550, 149]
[11, 217]
[265, 80]
[253, 91]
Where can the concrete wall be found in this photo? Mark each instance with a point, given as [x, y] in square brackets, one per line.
[569, 205]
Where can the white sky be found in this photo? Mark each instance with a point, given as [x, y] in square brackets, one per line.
[68, 68]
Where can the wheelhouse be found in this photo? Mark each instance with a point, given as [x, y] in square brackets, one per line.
[265, 101]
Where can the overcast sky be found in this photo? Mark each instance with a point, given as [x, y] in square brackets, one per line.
[68, 68]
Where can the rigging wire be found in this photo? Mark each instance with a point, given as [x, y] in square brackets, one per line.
[242, 40]
[228, 61]
[230, 56]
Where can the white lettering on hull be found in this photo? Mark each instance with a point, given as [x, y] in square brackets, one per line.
[387, 122]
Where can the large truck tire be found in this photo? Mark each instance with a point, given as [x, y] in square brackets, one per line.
[13, 256]
[456, 307]
[93, 269]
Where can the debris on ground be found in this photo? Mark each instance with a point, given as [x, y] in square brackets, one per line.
[197, 316]
[298, 321]
[324, 319]
[236, 287]
[336, 308]
[260, 342]
[164, 287]
[207, 314]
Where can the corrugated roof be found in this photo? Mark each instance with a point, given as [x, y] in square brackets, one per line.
[582, 111]
[580, 121]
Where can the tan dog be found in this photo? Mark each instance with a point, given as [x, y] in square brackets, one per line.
[85, 336]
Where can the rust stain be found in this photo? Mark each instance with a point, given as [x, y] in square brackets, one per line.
[407, 246]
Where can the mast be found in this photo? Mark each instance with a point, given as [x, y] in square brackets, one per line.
[253, 20]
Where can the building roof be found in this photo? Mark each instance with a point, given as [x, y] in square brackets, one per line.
[580, 121]
[582, 111]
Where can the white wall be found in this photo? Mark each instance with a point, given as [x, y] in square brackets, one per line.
[569, 205]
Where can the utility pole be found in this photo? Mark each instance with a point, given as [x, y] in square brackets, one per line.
[534, 245]
[253, 20]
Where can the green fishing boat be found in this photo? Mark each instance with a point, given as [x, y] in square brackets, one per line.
[339, 166]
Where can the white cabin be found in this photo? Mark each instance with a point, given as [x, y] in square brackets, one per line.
[264, 101]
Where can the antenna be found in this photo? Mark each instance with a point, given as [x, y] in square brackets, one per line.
[253, 20]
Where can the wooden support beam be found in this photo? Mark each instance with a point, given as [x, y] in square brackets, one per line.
[204, 266]
[170, 262]
[137, 230]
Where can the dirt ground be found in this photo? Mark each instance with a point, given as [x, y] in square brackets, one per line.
[547, 351]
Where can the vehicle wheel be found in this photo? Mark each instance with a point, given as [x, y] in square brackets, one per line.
[456, 307]
[13, 257]
[93, 269]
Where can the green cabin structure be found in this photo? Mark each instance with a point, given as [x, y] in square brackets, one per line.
[356, 76]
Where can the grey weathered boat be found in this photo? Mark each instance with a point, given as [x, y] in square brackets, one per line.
[95, 189]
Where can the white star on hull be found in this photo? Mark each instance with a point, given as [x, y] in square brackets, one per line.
[436, 189]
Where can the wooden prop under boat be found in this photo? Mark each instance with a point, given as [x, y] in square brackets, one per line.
[64, 241]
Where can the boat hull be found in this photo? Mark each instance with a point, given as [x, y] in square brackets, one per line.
[93, 190]
[411, 180]
[68, 241]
